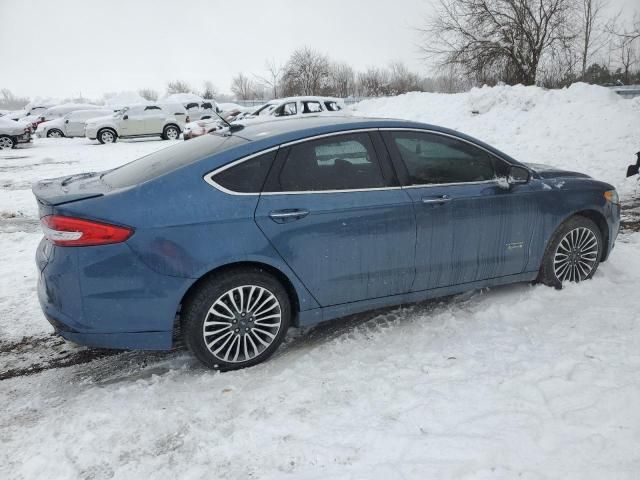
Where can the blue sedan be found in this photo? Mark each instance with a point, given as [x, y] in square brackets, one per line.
[231, 238]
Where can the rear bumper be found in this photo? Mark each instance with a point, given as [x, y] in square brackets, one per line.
[105, 297]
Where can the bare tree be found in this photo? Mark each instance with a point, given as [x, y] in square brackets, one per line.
[209, 90]
[178, 86]
[243, 87]
[628, 56]
[148, 94]
[273, 77]
[373, 82]
[306, 72]
[504, 37]
[625, 44]
[401, 80]
[342, 79]
[9, 101]
[590, 11]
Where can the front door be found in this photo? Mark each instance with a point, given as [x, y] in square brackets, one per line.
[332, 211]
[470, 228]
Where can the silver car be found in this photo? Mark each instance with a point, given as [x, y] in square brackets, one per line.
[13, 133]
[137, 121]
[69, 125]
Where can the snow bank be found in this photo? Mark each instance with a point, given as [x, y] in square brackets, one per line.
[124, 99]
[182, 98]
[582, 127]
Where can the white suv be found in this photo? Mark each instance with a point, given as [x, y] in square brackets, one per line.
[137, 121]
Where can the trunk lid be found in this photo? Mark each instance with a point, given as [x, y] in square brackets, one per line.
[67, 189]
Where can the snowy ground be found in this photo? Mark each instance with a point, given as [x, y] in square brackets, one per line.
[516, 382]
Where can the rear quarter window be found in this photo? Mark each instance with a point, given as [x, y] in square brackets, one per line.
[169, 159]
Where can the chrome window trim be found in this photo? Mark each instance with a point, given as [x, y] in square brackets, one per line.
[209, 176]
[442, 134]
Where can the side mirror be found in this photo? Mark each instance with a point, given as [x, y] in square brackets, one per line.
[66, 121]
[125, 117]
[516, 175]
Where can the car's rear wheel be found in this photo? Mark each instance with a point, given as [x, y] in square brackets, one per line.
[171, 132]
[6, 142]
[55, 133]
[236, 319]
[573, 253]
[107, 135]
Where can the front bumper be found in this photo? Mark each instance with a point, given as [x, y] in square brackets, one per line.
[24, 138]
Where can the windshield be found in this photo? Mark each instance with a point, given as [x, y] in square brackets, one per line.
[169, 159]
[265, 109]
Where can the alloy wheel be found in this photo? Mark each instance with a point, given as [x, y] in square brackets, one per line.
[576, 255]
[5, 142]
[54, 134]
[172, 133]
[107, 137]
[242, 323]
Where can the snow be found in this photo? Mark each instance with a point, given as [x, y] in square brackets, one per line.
[514, 382]
[182, 98]
[124, 99]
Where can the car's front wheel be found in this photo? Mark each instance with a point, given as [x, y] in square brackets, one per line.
[236, 319]
[55, 133]
[106, 135]
[171, 132]
[6, 142]
[573, 253]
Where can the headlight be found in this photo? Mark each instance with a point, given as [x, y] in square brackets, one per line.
[612, 196]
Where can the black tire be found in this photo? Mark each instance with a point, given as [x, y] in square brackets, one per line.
[171, 132]
[103, 135]
[6, 142]
[198, 308]
[579, 255]
[55, 133]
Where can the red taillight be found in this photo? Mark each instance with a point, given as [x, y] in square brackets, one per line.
[77, 232]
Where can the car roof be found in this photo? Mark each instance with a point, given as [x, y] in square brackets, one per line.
[272, 133]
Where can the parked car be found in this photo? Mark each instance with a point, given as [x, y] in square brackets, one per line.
[70, 125]
[12, 133]
[201, 127]
[295, 106]
[137, 121]
[235, 237]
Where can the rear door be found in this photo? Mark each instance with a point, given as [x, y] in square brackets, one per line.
[469, 227]
[154, 118]
[333, 210]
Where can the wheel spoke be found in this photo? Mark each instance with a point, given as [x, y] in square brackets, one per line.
[242, 323]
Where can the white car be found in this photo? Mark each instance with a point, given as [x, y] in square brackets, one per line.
[13, 132]
[137, 121]
[69, 125]
[296, 106]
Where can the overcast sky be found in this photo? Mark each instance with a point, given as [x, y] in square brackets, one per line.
[62, 48]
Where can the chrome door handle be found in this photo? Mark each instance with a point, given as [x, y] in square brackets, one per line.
[281, 216]
[440, 199]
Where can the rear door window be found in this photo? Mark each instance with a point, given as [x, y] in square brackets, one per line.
[311, 107]
[341, 162]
